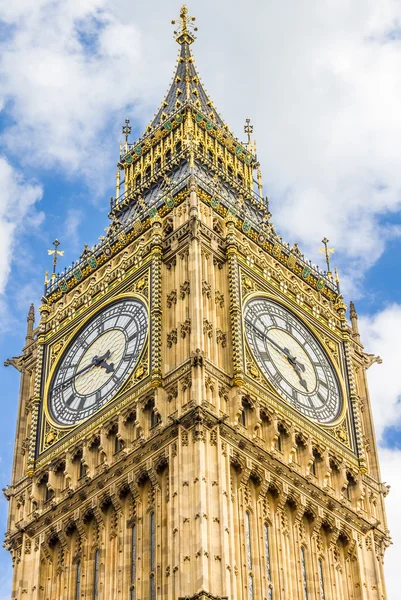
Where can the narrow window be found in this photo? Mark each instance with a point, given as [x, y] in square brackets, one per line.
[249, 554]
[168, 156]
[321, 580]
[82, 472]
[116, 444]
[313, 467]
[152, 557]
[268, 569]
[304, 573]
[133, 562]
[148, 172]
[96, 577]
[243, 417]
[178, 147]
[279, 444]
[78, 582]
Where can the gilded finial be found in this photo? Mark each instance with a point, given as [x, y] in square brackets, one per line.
[327, 252]
[55, 253]
[126, 130]
[248, 129]
[337, 279]
[183, 33]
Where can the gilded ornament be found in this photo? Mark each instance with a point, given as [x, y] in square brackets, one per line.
[140, 372]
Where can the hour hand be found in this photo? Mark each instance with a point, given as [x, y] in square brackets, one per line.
[302, 381]
[109, 368]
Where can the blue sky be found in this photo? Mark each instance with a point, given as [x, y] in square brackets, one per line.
[322, 86]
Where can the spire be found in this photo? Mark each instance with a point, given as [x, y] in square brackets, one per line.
[354, 322]
[30, 320]
[186, 87]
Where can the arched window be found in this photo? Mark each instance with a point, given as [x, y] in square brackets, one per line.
[321, 580]
[158, 164]
[249, 555]
[148, 172]
[96, 576]
[267, 553]
[78, 582]
[152, 557]
[133, 562]
[178, 147]
[303, 567]
[279, 442]
[220, 163]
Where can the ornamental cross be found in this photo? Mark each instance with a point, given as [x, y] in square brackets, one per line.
[327, 252]
[248, 129]
[126, 130]
[55, 253]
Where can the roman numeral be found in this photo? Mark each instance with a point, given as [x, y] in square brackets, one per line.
[70, 400]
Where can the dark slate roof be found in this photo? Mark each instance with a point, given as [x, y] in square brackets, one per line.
[187, 88]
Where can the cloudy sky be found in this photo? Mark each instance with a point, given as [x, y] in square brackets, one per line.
[321, 82]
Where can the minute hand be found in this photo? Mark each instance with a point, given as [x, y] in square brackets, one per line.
[284, 351]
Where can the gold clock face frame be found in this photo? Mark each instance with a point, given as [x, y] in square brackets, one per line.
[97, 361]
[293, 360]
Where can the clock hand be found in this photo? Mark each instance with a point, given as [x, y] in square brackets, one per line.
[292, 359]
[96, 361]
[284, 351]
[296, 368]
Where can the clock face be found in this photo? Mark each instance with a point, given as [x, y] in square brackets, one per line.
[98, 361]
[293, 360]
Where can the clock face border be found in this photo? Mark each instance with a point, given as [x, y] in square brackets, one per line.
[50, 375]
[340, 380]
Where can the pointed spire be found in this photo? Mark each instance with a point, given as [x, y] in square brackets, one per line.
[354, 322]
[30, 320]
[186, 87]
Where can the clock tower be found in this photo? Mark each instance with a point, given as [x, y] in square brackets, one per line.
[194, 420]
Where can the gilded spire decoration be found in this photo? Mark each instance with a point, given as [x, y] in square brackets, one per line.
[327, 252]
[55, 253]
[183, 34]
[248, 129]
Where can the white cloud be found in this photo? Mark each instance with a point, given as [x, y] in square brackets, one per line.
[17, 211]
[72, 222]
[321, 82]
[380, 334]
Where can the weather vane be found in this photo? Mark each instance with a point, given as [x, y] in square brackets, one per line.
[248, 129]
[55, 253]
[327, 252]
[126, 130]
[183, 34]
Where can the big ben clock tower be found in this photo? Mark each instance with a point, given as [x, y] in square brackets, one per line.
[194, 420]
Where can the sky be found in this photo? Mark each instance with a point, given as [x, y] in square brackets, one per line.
[321, 83]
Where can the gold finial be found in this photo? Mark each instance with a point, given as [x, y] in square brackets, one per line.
[327, 252]
[183, 35]
[248, 129]
[126, 130]
[337, 279]
[55, 253]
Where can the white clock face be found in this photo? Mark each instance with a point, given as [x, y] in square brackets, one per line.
[293, 360]
[98, 361]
